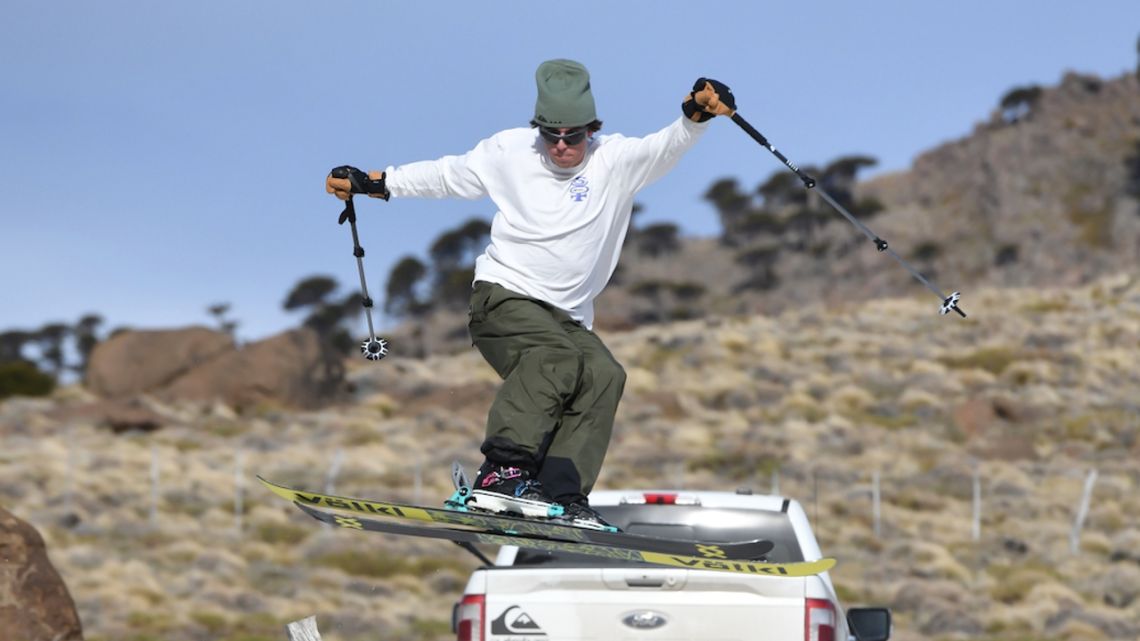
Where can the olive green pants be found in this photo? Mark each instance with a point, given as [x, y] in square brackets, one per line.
[554, 413]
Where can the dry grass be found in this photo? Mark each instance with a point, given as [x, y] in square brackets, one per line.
[814, 400]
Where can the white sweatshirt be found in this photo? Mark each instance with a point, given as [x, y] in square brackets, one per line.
[558, 232]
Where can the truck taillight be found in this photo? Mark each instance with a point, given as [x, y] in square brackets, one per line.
[660, 498]
[819, 620]
[469, 618]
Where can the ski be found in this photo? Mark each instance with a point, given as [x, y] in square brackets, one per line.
[718, 564]
[515, 526]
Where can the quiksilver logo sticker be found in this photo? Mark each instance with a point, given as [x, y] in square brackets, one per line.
[515, 622]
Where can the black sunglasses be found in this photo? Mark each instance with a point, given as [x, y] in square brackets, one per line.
[571, 138]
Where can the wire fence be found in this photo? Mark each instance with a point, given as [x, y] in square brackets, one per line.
[974, 496]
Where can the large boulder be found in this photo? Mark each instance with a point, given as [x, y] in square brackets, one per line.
[117, 414]
[34, 602]
[293, 369]
[136, 362]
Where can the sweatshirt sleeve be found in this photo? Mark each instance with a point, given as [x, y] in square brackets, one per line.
[646, 159]
[447, 177]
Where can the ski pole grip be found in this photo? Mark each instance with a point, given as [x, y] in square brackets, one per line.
[361, 183]
[357, 178]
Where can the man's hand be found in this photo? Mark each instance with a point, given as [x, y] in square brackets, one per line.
[707, 99]
[345, 181]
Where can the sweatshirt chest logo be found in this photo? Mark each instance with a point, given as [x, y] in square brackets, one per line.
[579, 189]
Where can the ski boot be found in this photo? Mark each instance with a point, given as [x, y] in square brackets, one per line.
[501, 489]
[579, 514]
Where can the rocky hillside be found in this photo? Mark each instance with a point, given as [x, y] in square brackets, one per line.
[1041, 195]
[1045, 194]
[1044, 191]
[166, 535]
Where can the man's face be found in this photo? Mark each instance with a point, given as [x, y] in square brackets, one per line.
[566, 147]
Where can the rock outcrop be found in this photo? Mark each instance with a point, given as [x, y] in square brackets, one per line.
[293, 369]
[1044, 194]
[138, 362]
[34, 602]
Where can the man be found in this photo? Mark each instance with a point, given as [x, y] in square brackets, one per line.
[565, 197]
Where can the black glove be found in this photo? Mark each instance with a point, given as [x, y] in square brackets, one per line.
[707, 99]
[346, 180]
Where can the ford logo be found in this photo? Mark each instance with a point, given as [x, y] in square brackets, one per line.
[644, 620]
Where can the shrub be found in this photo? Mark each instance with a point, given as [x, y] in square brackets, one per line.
[869, 207]
[21, 378]
[278, 533]
[992, 359]
[1132, 170]
[927, 251]
[213, 622]
[381, 566]
[430, 628]
[688, 291]
[1019, 102]
[1006, 255]
[1013, 583]
[659, 240]
[735, 464]
[761, 256]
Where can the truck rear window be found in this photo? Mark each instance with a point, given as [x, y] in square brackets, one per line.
[684, 522]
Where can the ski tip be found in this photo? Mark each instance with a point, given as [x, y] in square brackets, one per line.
[278, 489]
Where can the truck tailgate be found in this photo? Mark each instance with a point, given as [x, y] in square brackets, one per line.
[641, 603]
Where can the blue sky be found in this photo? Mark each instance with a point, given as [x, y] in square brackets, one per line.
[159, 157]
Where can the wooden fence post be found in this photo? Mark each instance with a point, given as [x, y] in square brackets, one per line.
[1082, 512]
[876, 503]
[155, 480]
[303, 630]
[976, 530]
[239, 486]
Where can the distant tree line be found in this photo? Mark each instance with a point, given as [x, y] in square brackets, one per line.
[780, 215]
[32, 361]
[1018, 103]
[326, 312]
[416, 288]
[1132, 173]
[657, 300]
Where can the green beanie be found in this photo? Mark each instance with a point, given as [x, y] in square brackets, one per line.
[564, 98]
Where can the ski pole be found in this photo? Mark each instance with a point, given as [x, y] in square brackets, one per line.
[948, 302]
[373, 348]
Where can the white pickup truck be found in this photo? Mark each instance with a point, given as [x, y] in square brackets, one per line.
[526, 595]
